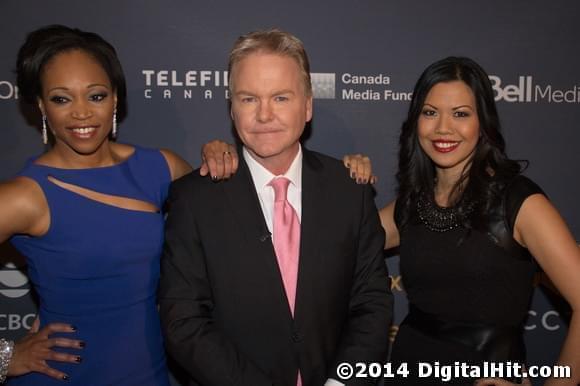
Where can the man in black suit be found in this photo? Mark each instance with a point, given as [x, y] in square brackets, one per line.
[263, 285]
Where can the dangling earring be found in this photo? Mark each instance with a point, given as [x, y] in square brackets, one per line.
[114, 131]
[44, 131]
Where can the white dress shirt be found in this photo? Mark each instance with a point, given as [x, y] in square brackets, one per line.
[262, 177]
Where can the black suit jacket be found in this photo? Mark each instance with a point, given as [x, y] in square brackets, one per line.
[223, 305]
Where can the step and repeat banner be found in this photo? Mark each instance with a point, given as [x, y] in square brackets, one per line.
[365, 57]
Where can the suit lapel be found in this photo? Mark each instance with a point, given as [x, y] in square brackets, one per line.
[313, 216]
[244, 205]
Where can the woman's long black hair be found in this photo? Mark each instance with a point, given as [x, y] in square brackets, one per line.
[489, 168]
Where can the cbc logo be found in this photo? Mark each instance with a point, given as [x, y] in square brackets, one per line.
[8, 90]
[14, 322]
[13, 283]
[549, 320]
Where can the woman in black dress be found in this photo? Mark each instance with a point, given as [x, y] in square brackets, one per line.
[467, 224]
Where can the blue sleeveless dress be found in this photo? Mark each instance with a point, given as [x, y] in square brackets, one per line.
[97, 268]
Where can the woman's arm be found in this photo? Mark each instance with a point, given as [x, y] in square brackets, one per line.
[540, 228]
[24, 210]
[387, 215]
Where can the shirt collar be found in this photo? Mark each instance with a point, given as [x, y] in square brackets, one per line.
[263, 176]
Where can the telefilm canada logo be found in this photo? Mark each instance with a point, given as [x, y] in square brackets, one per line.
[13, 283]
[212, 84]
[190, 84]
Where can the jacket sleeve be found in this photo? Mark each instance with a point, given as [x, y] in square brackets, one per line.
[186, 306]
[366, 336]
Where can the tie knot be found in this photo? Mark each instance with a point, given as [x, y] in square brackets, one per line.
[280, 185]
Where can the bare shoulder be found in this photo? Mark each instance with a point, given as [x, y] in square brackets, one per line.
[24, 208]
[177, 165]
[534, 209]
[21, 190]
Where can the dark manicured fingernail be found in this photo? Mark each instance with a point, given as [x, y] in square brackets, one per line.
[74, 328]
[358, 180]
[82, 344]
[65, 378]
[78, 359]
[351, 174]
[347, 164]
[215, 178]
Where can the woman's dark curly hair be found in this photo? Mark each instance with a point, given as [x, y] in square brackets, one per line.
[45, 43]
[489, 168]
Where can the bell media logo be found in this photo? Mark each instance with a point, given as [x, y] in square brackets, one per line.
[13, 283]
[527, 90]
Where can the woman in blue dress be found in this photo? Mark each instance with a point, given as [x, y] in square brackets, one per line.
[87, 214]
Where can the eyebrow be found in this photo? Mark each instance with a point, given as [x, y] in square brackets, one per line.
[88, 87]
[453, 108]
[242, 92]
[285, 91]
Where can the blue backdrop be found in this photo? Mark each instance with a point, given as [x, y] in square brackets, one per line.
[175, 54]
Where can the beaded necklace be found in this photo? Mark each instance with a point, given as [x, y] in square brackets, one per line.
[440, 219]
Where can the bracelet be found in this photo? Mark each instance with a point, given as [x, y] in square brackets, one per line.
[6, 350]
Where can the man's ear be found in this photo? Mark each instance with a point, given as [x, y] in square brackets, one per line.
[309, 109]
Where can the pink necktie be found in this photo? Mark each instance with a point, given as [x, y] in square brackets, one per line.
[286, 238]
[286, 241]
